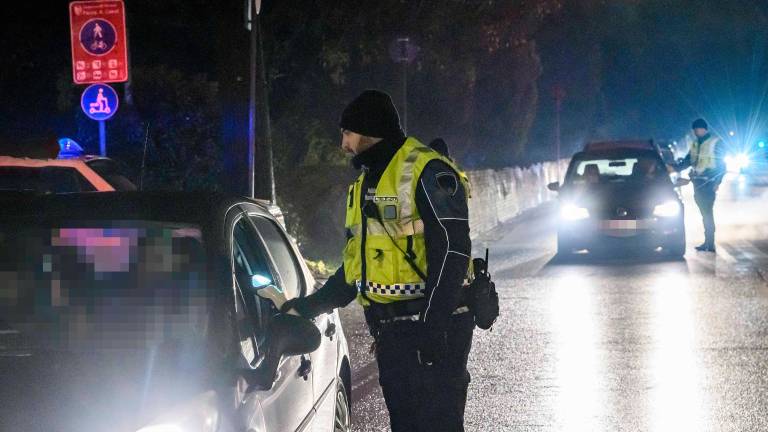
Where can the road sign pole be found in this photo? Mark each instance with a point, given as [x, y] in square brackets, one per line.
[405, 97]
[403, 52]
[559, 94]
[252, 110]
[102, 138]
[265, 118]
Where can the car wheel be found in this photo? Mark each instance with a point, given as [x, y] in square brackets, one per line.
[564, 248]
[676, 249]
[342, 420]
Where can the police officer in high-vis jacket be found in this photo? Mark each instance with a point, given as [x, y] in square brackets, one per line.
[707, 171]
[406, 261]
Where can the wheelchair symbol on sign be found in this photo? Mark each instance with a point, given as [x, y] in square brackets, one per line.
[101, 106]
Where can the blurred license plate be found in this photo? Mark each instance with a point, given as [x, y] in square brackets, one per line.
[621, 224]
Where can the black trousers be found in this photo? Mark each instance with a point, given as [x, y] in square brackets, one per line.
[424, 398]
[705, 196]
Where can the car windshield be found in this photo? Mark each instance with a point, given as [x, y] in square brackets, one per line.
[636, 168]
[94, 286]
[51, 179]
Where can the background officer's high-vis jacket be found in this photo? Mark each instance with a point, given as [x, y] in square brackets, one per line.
[384, 225]
[703, 155]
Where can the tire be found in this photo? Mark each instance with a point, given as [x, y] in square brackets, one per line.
[676, 249]
[564, 248]
[342, 418]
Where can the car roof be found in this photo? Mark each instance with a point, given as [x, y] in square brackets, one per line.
[620, 144]
[87, 172]
[617, 153]
[186, 207]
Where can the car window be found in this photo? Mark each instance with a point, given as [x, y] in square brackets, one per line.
[618, 169]
[119, 285]
[291, 280]
[249, 261]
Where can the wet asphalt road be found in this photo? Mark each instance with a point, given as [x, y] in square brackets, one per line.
[627, 344]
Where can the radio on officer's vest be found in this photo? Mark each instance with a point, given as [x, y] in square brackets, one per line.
[483, 299]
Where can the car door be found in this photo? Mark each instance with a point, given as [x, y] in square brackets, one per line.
[296, 282]
[288, 405]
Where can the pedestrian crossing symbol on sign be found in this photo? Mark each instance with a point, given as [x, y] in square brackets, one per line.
[97, 36]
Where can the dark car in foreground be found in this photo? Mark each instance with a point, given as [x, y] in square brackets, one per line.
[132, 312]
[619, 198]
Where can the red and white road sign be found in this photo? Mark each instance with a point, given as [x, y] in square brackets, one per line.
[99, 45]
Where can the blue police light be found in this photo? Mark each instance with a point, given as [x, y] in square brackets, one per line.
[761, 144]
[69, 149]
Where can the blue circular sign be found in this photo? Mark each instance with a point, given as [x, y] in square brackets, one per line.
[97, 36]
[99, 101]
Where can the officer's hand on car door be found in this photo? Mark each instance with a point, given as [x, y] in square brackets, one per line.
[298, 306]
[433, 345]
[293, 305]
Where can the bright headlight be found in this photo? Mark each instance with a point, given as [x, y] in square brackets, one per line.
[667, 209]
[572, 212]
[736, 163]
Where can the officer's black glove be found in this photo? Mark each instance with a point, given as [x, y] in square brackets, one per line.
[433, 346]
[303, 305]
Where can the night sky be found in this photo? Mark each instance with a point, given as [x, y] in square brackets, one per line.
[629, 68]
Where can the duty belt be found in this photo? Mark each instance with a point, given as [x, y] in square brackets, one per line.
[408, 310]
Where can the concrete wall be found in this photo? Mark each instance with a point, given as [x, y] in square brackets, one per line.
[500, 195]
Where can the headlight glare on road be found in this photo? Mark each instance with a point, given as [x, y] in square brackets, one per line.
[667, 209]
[162, 428]
[198, 415]
[571, 212]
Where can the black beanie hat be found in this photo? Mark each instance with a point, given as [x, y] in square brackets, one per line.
[372, 114]
[700, 124]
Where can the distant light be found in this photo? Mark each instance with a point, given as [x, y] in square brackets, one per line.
[731, 133]
[743, 160]
[69, 149]
[761, 144]
[736, 163]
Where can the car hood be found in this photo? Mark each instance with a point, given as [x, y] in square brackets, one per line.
[607, 200]
[88, 392]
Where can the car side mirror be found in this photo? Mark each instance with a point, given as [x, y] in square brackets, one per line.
[679, 182]
[554, 187]
[287, 335]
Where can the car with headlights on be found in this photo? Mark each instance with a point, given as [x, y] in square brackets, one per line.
[158, 312]
[618, 197]
[752, 164]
